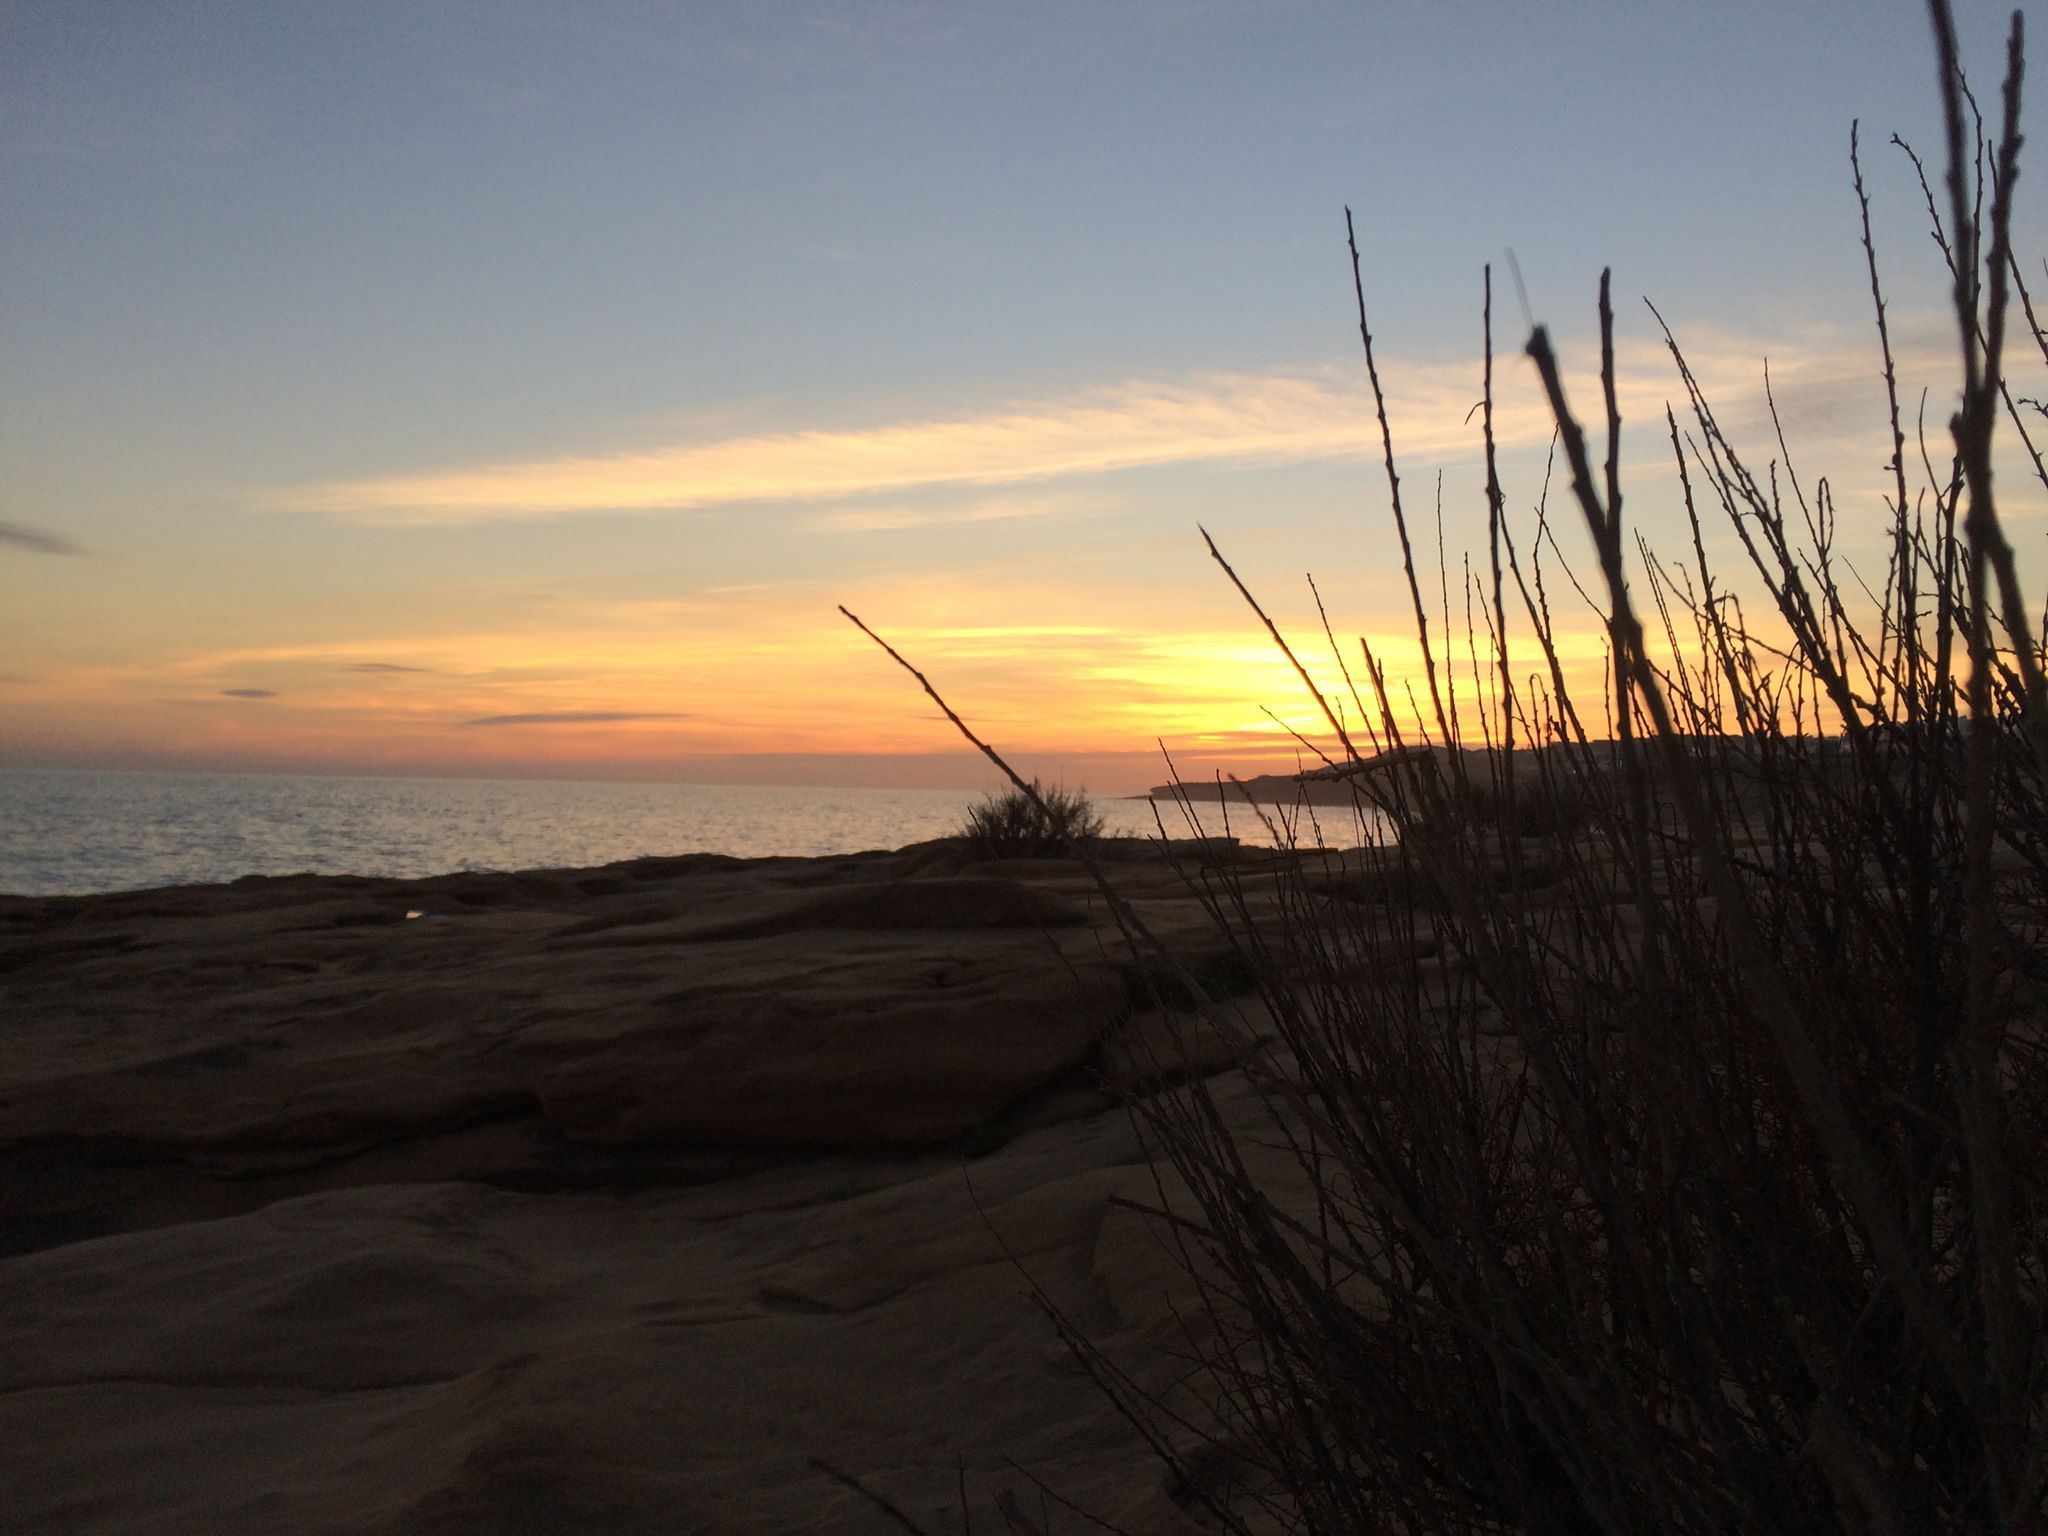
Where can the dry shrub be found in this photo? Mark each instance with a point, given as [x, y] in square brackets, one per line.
[1043, 823]
[1664, 1109]
[1694, 1182]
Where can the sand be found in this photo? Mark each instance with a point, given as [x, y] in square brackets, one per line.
[598, 1200]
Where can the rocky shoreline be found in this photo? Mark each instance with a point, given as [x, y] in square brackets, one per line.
[577, 1199]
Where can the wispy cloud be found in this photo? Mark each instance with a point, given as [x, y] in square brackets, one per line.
[248, 693]
[382, 668]
[578, 717]
[1216, 418]
[997, 510]
[1220, 417]
[37, 540]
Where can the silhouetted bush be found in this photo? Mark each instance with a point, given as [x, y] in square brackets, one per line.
[1041, 824]
[1695, 1186]
[1698, 1186]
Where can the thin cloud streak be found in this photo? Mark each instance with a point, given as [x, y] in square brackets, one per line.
[1214, 418]
[248, 693]
[1211, 418]
[892, 519]
[37, 540]
[577, 717]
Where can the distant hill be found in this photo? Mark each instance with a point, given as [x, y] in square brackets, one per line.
[1324, 786]
[1265, 789]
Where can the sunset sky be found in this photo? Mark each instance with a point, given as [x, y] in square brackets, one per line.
[518, 388]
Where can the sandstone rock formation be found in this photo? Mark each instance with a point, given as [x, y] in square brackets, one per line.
[597, 1200]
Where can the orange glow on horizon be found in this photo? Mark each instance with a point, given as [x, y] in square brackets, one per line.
[646, 685]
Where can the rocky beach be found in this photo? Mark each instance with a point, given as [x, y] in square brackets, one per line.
[613, 1199]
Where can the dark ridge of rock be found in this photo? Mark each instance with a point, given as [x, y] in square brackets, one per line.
[577, 1199]
[752, 1006]
[923, 902]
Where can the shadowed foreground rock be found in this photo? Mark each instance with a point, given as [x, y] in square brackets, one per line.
[579, 1201]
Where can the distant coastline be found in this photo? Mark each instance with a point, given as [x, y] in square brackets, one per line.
[1262, 789]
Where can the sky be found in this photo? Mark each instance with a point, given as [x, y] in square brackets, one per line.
[519, 389]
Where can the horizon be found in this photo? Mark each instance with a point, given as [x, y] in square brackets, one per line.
[516, 393]
[938, 773]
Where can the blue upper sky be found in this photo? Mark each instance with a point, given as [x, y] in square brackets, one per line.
[256, 252]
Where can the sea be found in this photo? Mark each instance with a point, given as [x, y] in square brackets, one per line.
[71, 833]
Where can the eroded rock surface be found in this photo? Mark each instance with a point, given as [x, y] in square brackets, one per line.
[596, 1200]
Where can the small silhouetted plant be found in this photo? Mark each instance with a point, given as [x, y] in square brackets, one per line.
[1044, 823]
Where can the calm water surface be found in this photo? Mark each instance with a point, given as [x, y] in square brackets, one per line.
[79, 832]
